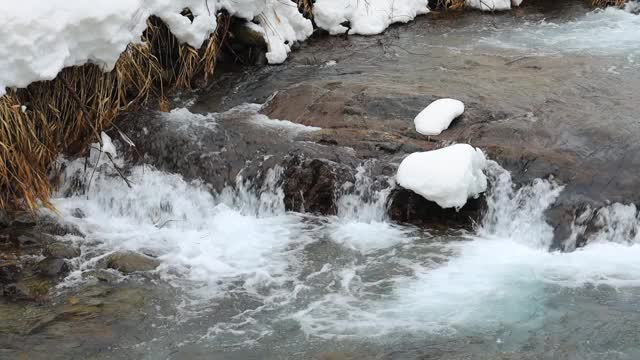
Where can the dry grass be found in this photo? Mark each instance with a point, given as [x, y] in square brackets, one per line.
[306, 8]
[450, 4]
[605, 3]
[67, 113]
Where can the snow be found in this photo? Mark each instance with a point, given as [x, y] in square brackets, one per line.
[97, 154]
[493, 5]
[40, 38]
[447, 176]
[107, 145]
[437, 117]
[294, 128]
[365, 17]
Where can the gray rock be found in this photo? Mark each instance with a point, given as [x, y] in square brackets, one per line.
[4, 219]
[78, 213]
[102, 275]
[9, 272]
[29, 240]
[23, 219]
[129, 262]
[53, 267]
[61, 250]
[54, 226]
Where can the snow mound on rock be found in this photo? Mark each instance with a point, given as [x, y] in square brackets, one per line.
[437, 117]
[493, 5]
[40, 38]
[447, 176]
[365, 17]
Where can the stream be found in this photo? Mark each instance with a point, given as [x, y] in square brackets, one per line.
[242, 277]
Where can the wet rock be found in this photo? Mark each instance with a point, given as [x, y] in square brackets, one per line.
[78, 213]
[129, 262]
[54, 226]
[33, 288]
[61, 250]
[5, 221]
[53, 267]
[29, 240]
[310, 186]
[9, 272]
[23, 219]
[405, 206]
[103, 275]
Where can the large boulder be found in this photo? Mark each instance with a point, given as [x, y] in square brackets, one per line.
[405, 206]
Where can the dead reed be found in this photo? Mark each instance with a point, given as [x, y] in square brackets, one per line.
[69, 112]
[605, 3]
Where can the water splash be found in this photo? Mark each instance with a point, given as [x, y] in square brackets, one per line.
[518, 214]
[499, 280]
[245, 266]
[362, 221]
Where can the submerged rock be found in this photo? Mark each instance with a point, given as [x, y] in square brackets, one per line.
[129, 262]
[103, 275]
[53, 267]
[61, 250]
[9, 272]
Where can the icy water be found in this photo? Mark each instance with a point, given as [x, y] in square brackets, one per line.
[240, 278]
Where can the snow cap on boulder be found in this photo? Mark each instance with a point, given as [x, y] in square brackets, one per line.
[447, 176]
[437, 117]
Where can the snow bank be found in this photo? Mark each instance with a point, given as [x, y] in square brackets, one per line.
[40, 38]
[437, 117]
[448, 176]
[365, 17]
[493, 5]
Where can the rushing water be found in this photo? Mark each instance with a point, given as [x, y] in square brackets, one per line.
[242, 278]
[252, 276]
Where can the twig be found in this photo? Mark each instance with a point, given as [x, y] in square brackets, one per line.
[75, 97]
[516, 60]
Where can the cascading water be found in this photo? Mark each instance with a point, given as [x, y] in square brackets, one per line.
[351, 276]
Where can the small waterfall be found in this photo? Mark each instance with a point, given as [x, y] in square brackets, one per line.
[361, 200]
[267, 200]
[518, 214]
[362, 222]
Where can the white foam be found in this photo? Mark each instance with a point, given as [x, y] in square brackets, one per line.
[198, 237]
[362, 222]
[501, 278]
[286, 125]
